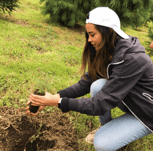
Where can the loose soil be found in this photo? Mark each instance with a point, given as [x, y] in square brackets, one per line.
[44, 132]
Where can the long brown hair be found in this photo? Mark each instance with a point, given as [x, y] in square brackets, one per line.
[96, 61]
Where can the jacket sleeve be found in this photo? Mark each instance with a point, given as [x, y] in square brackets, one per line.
[77, 90]
[123, 78]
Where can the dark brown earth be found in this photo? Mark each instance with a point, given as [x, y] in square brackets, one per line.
[45, 132]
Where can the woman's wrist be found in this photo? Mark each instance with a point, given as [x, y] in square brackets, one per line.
[57, 96]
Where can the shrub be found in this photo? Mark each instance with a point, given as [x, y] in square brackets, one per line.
[8, 5]
[150, 33]
[68, 12]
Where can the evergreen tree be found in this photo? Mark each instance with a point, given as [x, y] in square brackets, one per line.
[150, 33]
[151, 14]
[131, 12]
[70, 12]
[8, 5]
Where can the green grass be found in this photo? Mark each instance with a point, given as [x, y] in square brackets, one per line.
[32, 49]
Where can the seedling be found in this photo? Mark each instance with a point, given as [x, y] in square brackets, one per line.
[32, 108]
[39, 90]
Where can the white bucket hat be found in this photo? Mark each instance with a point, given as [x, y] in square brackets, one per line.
[104, 16]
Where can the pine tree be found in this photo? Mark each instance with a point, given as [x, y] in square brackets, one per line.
[8, 5]
[70, 12]
[151, 14]
[130, 12]
[150, 33]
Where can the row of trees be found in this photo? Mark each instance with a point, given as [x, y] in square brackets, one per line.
[71, 12]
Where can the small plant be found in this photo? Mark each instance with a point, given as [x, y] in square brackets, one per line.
[32, 108]
[40, 88]
[35, 136]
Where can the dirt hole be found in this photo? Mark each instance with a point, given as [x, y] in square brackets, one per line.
[41, 144]
[46, 132]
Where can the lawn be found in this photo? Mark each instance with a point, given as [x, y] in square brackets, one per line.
[35, 51]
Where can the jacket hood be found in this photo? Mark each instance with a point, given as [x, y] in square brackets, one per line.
[130, 45]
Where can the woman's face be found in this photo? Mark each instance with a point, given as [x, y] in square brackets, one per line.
[95, 36]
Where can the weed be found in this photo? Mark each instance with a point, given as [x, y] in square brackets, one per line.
[35, 136]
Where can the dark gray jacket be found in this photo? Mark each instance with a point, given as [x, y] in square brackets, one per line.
[130, 82]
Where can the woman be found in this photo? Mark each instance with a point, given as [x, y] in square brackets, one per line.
[120, 74]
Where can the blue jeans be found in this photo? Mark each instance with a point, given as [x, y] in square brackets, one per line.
[118, 132]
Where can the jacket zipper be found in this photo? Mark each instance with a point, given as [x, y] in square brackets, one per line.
[113, 64]
[145, 94]
[137, 117]
[148, 96]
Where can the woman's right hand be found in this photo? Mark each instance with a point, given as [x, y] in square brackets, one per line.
[33, 114]
[151, 45]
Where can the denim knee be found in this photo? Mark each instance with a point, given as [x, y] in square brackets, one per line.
[119, 132]
[103, 144]
[99, 147]
[97, 86]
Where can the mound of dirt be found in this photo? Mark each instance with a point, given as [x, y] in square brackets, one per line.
[45, 132]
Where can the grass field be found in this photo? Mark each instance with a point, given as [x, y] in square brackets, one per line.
[34, 51]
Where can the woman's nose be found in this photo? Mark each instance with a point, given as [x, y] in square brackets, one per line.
[89, 39]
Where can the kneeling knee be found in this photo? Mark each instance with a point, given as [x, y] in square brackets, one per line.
[103, 145]
[97, 86]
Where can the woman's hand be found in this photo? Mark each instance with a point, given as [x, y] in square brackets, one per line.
[42, 101]
[33, 114]
[151, 45]
[47, 100]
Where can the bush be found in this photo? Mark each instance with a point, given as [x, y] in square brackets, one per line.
[150, 19]
[8, 5]
[131, 12]
[150, 33]
[68, 12]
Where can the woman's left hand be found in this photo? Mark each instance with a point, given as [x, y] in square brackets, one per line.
[47, 100]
